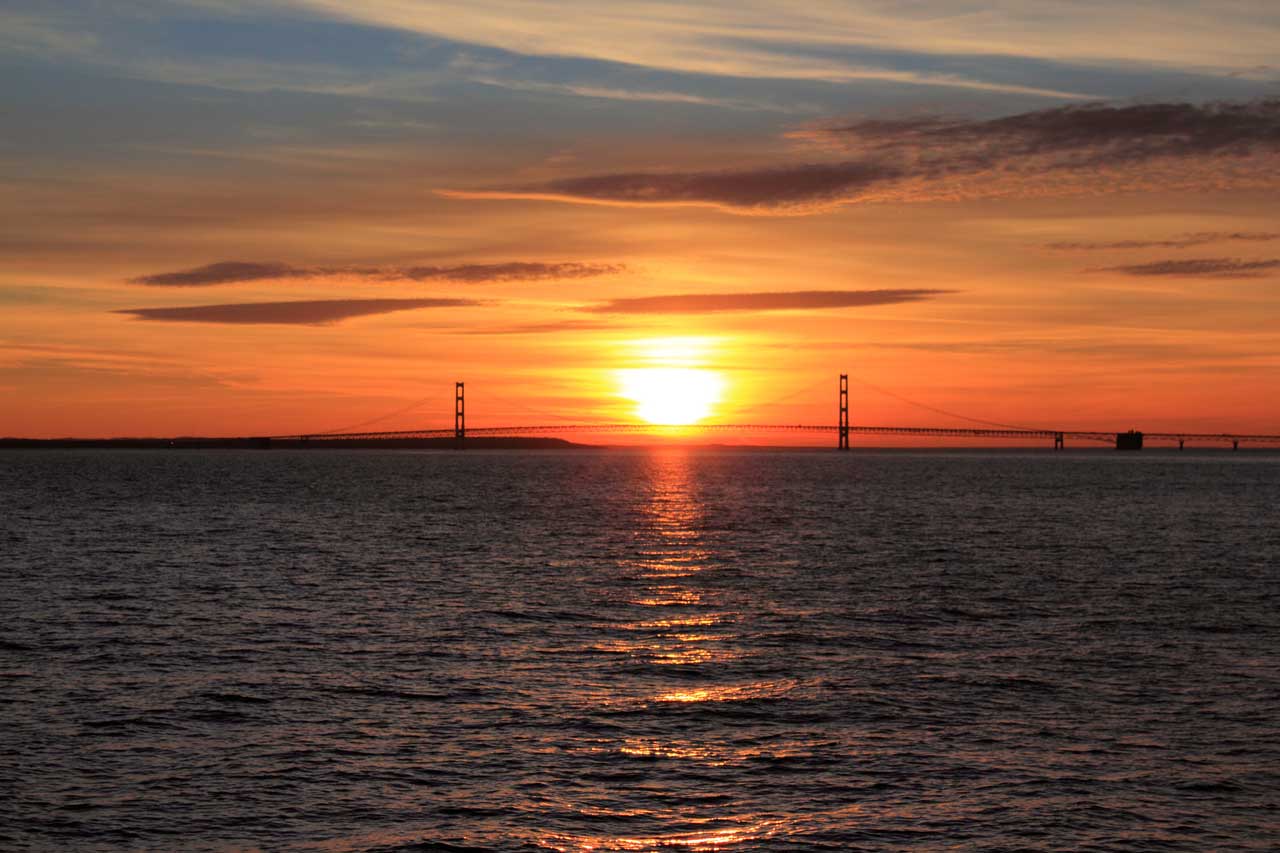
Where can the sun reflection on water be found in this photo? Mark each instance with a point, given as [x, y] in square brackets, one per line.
[730, 693]
[668, 594]
[713, 839]
[683, 630]
[671, 568]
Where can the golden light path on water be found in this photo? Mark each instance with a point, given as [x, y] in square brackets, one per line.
[668, 569]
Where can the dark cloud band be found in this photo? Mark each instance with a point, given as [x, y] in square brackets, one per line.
[1183, 241]
[222, 272]
[1085, 134]
[307, 313]
[776, 187]
[707, 303]
[1198, 267]
[235, 272]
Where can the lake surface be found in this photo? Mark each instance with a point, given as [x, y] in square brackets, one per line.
[590, 650]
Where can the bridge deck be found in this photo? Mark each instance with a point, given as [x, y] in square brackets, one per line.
[940, 432]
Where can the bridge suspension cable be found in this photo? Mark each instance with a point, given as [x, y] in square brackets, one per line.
[781, 399]
[936, 410]
[388, 416]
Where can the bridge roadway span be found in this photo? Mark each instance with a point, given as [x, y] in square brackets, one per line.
[940, 432]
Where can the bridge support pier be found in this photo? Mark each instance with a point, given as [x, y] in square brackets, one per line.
[844, 412]
[1235, 444]
[1058, 442]
[459, 416]
[1181, 442]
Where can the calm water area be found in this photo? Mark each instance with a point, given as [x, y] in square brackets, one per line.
[639, 650]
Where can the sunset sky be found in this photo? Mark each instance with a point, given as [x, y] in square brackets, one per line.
[225, 218]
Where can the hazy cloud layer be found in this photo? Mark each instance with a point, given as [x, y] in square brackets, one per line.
[308, 313]
[1198, 267]
[922, 158]
[1182, 241]
[706, 303]
[234, 272]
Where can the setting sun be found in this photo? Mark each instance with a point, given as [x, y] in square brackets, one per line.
[676, 396]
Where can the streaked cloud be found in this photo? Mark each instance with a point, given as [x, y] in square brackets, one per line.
[616, 93]
[554, 327]
[318, 312]
[828, 41]
[1198, 268]
[234, 272]
[53, 374]
[925, 158]
[708, 303]
[20, 295]
[1183, 241]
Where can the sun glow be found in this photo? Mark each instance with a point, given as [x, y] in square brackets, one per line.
[671, 383]
[676, 396]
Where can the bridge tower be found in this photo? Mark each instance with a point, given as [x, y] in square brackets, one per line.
[459, 415]
[844, 411]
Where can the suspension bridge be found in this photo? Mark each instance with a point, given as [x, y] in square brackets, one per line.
[841, 430]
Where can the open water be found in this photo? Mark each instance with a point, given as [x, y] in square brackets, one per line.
[590, 650]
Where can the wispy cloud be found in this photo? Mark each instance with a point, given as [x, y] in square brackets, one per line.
[234, 272]
[555, 327]
[1198, 268]
[615, 93]
[924, 158]
[707, 303]
[1183, 241]
[831, 41]
[318, 312]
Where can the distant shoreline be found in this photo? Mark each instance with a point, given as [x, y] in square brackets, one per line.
[203, 443]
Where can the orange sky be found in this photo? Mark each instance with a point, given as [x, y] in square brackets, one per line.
[1017, 223]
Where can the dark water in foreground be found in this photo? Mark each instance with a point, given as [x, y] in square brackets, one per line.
[637, 651]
